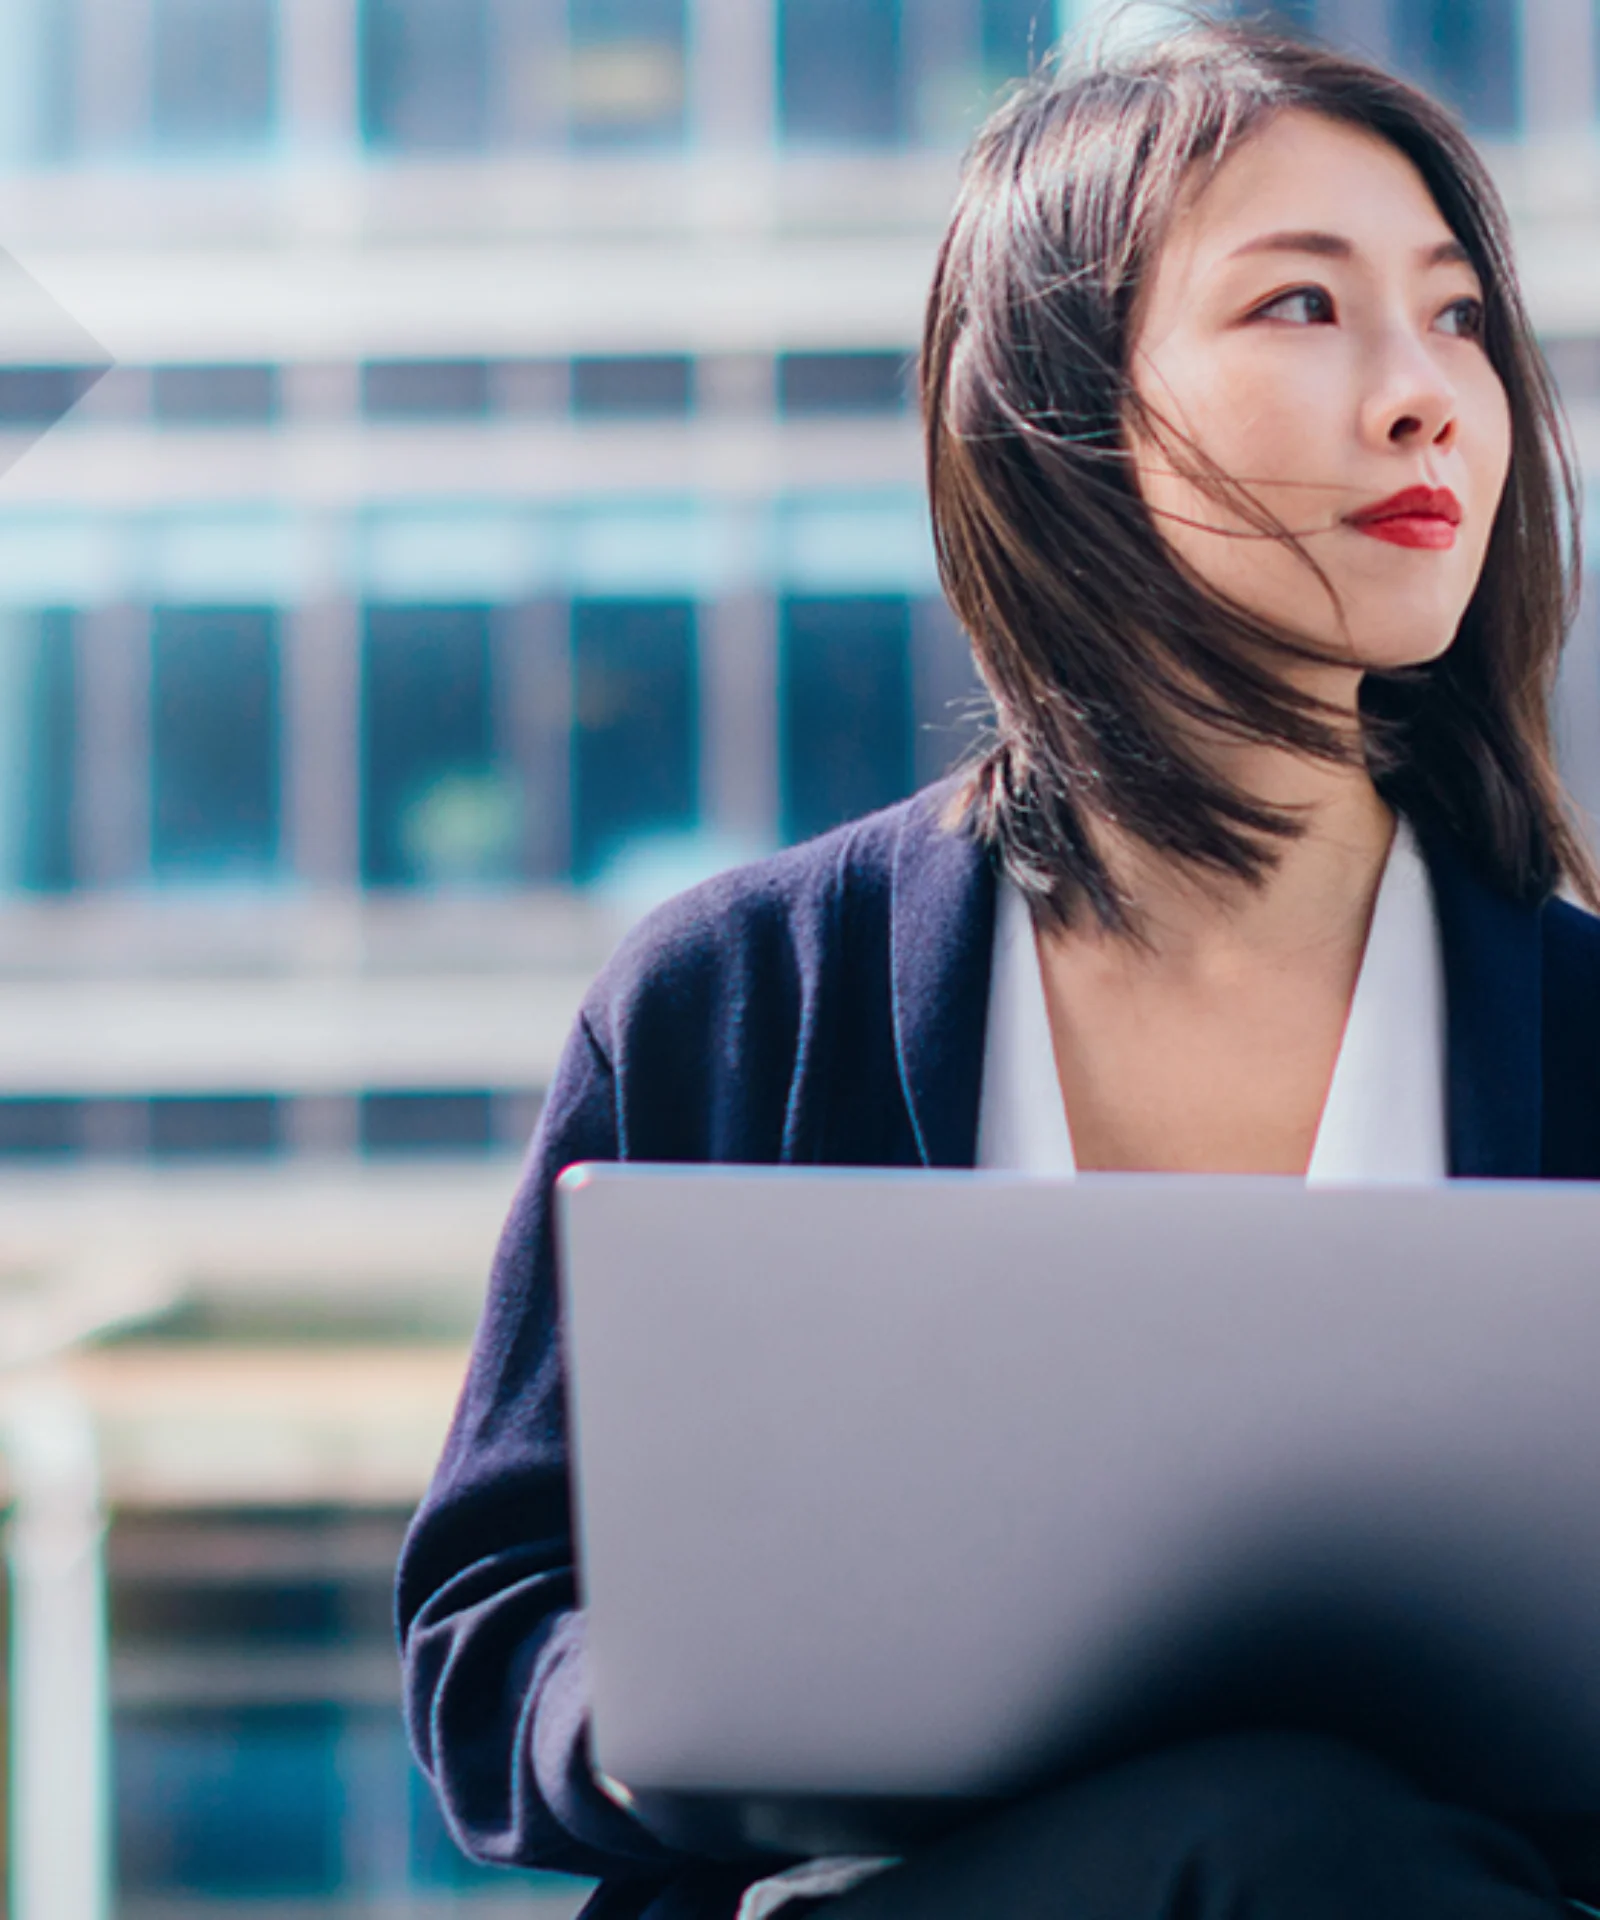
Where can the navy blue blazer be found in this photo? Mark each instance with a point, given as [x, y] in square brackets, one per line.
[824, 1006]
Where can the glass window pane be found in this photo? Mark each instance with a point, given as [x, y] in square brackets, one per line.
[211, 67]
[48, 865]
[1016, 35]
[839, 70]
[214, 742]
[427, 1122]
[207, 1127]
[424, 389]
[270, 1603]
[40, 396]
[951, 706]
[38, 700]
[437, 806]
[625, 76]
[424, 68]
[1467, 52]
[50, 1128]
[843, 382]
[632, 384]
[845, 727]
[228, 395]
[229, 1802]
[635, 748]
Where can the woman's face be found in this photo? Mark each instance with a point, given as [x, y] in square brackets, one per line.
[1313, 327]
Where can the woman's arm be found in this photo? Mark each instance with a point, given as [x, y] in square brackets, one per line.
[493, 1648]
[735, 1024]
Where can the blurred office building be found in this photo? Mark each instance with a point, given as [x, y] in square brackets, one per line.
[488, 499]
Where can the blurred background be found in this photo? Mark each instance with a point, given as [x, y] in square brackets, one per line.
[458, 483]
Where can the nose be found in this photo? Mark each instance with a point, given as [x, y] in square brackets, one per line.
[1411, 404]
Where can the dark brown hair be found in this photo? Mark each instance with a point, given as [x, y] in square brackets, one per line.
[1099, 648]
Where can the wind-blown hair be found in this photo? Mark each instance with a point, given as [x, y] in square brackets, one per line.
[1100, 649]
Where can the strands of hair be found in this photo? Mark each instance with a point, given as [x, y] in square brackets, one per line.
[1107, 660]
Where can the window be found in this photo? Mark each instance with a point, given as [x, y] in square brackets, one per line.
[842, 383]
[424, 69]
[214, 743]
[43, 1129]
[259, 1749]
[635, 747]
[1016, 35]
[229, 1802]
[1467, 52]
[845, 722]
[637, 385]
[839, 70]
[38, 713]
[625, 70]
[424, 389]
[437, 806]
[34, 398]
[427, 1122]
[207, 1127]
[950, 704]
[211, 64]
[226, 395]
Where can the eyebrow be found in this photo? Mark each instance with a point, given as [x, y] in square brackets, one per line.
[1334, 246]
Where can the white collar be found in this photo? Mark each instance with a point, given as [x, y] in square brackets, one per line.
[1384, 1117]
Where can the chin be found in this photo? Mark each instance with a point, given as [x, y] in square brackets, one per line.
[1394, 635]
[1416, 643]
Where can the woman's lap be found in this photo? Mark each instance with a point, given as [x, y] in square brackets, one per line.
[1252, 1827]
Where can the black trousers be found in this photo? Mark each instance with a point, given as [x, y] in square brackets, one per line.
[1252, 1827]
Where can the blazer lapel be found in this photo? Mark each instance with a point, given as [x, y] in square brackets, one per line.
[942, 907]
[1493, 964]
[941, 940]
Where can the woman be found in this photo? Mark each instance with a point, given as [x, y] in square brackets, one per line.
[1249, 488]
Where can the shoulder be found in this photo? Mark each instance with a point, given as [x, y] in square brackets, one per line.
[1571, 1048]
[1572, 967]
[1572, 959]
[1573, 934]
[768, 932]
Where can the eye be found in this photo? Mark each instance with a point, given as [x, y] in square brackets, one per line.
[1463, 318]
[1300, 306]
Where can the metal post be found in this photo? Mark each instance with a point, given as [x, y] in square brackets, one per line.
[1558, 68]
[733, 72]
[111, 811]
[24, 90]
[739, 720]
[322, 742]
[111, 103]
[533, 723]
[318, 84]
[60, 1699]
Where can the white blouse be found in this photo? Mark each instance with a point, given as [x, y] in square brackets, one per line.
[1384, 1118]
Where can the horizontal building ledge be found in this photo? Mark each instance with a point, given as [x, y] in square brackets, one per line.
[299, 1035]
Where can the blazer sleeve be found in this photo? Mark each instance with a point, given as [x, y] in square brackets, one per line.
[719, 1031]
[491, 1639]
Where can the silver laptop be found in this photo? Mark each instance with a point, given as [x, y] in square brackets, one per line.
[900, 1491]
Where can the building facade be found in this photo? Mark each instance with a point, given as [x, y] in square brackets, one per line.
[458, 483]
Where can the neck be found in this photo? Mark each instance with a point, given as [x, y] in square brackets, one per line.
[1318, 895]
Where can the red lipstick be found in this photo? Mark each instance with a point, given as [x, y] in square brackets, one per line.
[1414, 517]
